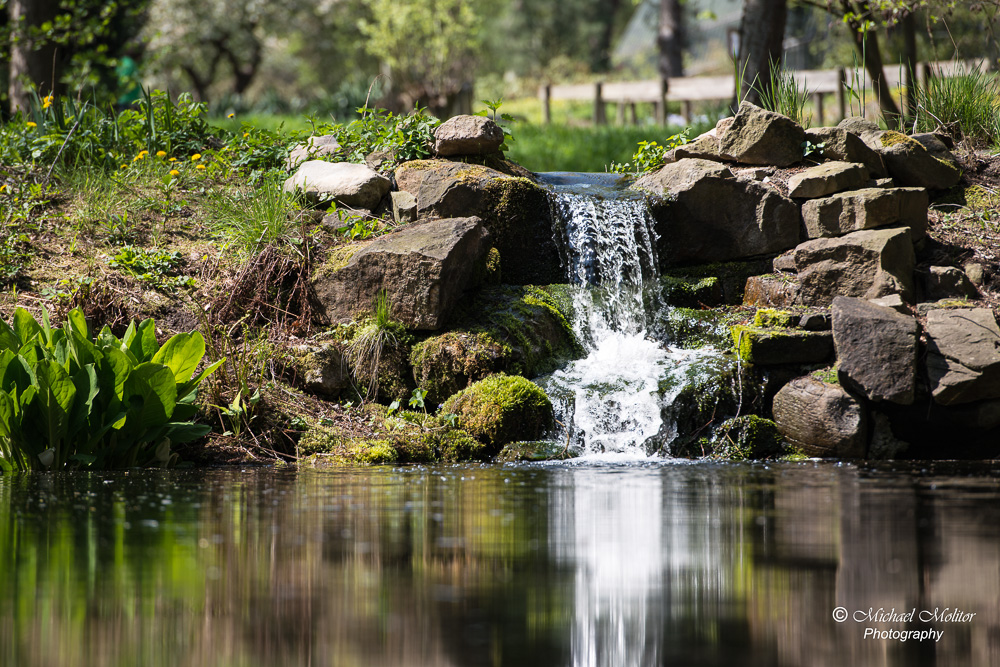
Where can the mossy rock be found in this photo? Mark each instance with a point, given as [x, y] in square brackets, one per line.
[776, 345]
[688, 292]
[749, 438]
[771, 317]
[892, 138]
[518, 330]
[694, 328]
[731, 277]
[535, 450]
[380, 370]
[502, 409]
[337, 258]
[403, 442]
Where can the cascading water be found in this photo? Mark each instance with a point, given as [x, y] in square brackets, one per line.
[611, 401]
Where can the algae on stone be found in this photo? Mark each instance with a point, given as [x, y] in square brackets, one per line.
[502, 409]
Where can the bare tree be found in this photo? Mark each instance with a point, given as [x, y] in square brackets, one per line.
[762, 31]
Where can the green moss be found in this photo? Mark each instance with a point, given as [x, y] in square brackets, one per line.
[516, 213]
[535, 450]
[502, 409]
[444, 364]
[693, 328]
[771, 345]
[691, 292]
[771, 317]
[748, 438]
[828, 375]
[892, 138]
[405, 438]
[731, 277]
[338, 257]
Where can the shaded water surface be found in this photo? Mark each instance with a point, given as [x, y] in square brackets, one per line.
[650, 564]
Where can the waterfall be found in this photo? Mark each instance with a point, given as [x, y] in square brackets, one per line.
[610, 402]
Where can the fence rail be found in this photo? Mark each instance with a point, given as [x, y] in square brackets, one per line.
[688, 90]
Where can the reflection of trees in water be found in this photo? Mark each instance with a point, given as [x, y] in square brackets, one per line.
[689, 564]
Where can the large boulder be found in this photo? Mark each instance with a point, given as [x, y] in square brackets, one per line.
[757, 136]
[348, 184]
[826, 179]
[876, 350]
[467, 135]
[868, 208]
[821, 418]
[963, 355]
[513, 209]
[911, 164]
[840, 144]
[868, 264]
[423, 268]
[704, 214]
[317, 146]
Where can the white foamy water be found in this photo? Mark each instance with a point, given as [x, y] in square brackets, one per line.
[611, 401]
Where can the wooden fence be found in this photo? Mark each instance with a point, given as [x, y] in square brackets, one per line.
[688, 90]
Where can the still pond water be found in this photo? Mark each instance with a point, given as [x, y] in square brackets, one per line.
[588, 564]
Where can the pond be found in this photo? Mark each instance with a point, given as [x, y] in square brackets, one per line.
[595, 563]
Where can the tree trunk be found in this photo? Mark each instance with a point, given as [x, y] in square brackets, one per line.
[670, 39]
[602, 51]
[33, 64]
[762, 31]
[910, 62]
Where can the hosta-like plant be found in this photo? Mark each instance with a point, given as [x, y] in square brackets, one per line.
[72, 400]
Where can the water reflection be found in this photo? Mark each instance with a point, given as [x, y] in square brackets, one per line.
[588, 565]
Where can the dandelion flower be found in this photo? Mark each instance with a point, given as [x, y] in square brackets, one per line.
[200, 166]
[230, 115]
[47, 101]
[31, 124]
[143, 154]
[173, 159]
[3, 187]
[174, 172]
[161, 153]
[196, 157]
[246, 134]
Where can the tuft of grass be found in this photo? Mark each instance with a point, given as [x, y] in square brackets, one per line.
[971, 98]
[784, 95]
[248, 219]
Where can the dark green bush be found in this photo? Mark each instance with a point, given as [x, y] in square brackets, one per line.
[70, 400]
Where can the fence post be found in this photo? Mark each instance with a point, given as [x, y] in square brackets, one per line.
[841, 86]
[661, 104]
[688, 111]
[546, 95]
[600, 118]
[818, 101]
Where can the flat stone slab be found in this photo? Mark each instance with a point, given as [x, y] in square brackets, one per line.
[771, 346]
[868, 208]
[349, 184]
[838, 143]
[827, 179]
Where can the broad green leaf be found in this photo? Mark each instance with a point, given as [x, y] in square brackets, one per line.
[77, 321]
[181, 432]
[7, 414]
[151, 395]
[87, 388]
[181, 354]
[8, 339]
[56, 393]
[25, 326]
[144, 345]
[114, 369]
[17, 374]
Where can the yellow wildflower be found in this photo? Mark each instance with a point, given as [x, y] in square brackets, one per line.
[3, 187]
[173, 159]
[143, 154]
[124, 166]
[31, 124]
[47, 101]
[174, 172]
[200, 166]
[161, 153]
[230, 115]
[196, 157]
[246, 134]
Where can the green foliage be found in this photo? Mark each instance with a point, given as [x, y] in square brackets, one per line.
[783, 94]
[404, 136]
[748, 438]
[650, 155]
[70, 400]
[250, 218]
[494, 107]
[971, 98]
[153, 267]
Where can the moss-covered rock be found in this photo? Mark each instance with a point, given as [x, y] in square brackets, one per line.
[536, 450]
[775, 345]
[509, 329]
[749, 438]
[692, 328]
[691, 292]
[731, 277]
[772, 317]
[379, 358]
[405, 438]
[502, 409]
